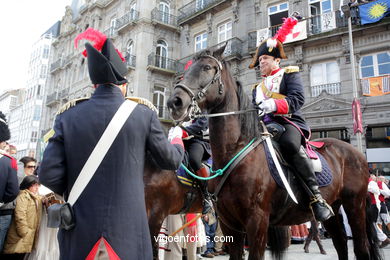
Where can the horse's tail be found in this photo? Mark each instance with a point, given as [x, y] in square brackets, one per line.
[278, 241]
[372, 236]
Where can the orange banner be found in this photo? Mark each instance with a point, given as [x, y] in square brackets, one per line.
[376, 86]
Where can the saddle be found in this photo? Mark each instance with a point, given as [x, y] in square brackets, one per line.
[323, 173]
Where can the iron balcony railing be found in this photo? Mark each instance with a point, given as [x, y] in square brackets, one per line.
[163, 62]
[64, 93]
[110, 32]
[130, 60]
[129, 17]
[51, 98]
[330, 88]
[315, 25]
[56, 65]
[164, 17]
[194, 7]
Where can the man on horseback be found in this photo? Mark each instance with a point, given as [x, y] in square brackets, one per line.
[280, 96]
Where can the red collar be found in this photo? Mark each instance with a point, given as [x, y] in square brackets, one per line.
[272, 73]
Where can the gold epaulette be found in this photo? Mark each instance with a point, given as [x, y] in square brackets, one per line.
[70, 104]
[143, 101]
[48, 135]
[291, 69]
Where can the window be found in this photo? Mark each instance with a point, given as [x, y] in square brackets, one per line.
[130, 58]
[378, 137]
[112, 27]
[277, 13]
[200, 42]
[375, 65]
[37, 113]
[159, 100]
[34, 136]
[161, 54]
[341, 134]
[321, 16]
[324, 73]
[43, 71]
[45, 54]
[164, 11]
[325, 76]
[225, 32]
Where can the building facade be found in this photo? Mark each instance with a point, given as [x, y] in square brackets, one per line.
[25, 118]
[158, 37]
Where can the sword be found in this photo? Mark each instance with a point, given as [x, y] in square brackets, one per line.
[279, 168]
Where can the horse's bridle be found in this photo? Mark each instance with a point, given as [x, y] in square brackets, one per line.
[194, 110]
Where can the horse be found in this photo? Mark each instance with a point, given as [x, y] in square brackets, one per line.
[165, 195]
[250, 201]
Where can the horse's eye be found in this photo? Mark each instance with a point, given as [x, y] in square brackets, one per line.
[207, 67]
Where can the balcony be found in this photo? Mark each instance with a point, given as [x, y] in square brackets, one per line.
[233, 48]
[197, 7]
[56, 65]
[67, 60]
[101, 3]
[164, 19]
[110, 32]
[330, 88]
[64, 93]
[52, 99]
[130, 61]
[129, 19]
[163, 64]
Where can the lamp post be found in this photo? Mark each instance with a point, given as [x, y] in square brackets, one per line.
[347, 12]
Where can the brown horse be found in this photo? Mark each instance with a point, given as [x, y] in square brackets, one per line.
[250, 201]
[165, 195]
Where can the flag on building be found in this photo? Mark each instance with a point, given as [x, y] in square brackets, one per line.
[357, 116]
[374, 11]
[376, 86]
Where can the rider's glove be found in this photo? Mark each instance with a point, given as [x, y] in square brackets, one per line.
[175, 132]
[268, 106]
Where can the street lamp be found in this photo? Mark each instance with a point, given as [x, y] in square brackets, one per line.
[347, 12]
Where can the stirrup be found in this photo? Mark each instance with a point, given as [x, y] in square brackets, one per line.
[321, 203]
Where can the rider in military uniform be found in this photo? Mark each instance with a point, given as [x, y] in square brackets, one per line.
[280, 95]
[110, 213]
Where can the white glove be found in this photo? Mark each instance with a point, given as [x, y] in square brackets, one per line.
[268, 106]
[175, 132]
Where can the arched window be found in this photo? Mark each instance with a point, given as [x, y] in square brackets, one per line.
[161, 54]
[163, 7]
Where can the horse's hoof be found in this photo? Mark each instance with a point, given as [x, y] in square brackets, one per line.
[306, 250]
[323, 252]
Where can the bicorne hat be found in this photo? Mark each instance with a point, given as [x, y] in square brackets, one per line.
[105, 63]
[4, 130]
[274, 46]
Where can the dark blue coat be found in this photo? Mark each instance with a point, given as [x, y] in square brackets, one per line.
[9, 186]
[113, 203]
[291, 86]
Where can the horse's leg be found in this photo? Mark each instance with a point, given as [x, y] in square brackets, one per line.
[318, 240]
[257, 230]
[236, 246]
[309, 238]
[155, 222]
[355, 210]
[339, 238]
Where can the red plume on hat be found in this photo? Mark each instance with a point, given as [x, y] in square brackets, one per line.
[281, 35]
[92, 35]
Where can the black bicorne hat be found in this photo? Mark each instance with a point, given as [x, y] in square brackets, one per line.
[105, 63]
[4, 130]
[274, 46]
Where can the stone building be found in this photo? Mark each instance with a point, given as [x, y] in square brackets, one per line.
[159, 36]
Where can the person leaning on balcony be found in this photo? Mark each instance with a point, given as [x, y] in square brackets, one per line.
[280, 97]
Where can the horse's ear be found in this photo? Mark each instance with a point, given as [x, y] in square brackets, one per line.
[219, 50]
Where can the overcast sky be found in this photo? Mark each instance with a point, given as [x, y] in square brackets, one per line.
[22, 22]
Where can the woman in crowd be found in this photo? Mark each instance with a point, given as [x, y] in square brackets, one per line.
[23, 230]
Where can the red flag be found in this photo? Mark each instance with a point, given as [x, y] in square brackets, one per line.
[357, 116]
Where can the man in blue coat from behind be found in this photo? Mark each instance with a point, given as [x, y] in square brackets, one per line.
[110, 214]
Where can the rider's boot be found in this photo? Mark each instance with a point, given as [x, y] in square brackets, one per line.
[203, 172]
[322, 211]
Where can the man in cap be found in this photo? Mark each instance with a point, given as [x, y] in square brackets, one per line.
[9, 186]
[280, 96]
[110, 213]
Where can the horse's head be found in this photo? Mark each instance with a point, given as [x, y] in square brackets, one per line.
[201, 87]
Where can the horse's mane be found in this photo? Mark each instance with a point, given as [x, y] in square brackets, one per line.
[249, 121]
